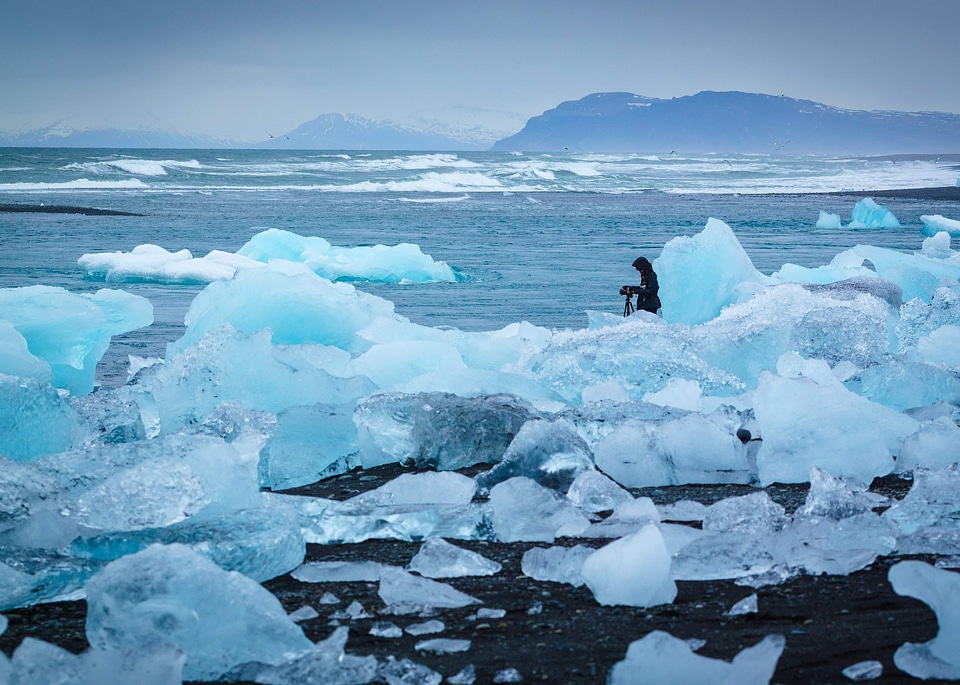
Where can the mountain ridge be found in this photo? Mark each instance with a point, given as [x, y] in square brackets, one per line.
[730, 122]
[619, 121]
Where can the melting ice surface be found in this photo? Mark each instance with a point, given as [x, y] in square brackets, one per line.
[141, 498]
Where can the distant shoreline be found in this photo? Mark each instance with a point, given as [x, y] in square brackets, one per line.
[63, 209]
[944, 193]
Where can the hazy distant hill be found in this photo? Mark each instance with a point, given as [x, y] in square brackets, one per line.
[731, 122]
[351, 132]
[60, 136]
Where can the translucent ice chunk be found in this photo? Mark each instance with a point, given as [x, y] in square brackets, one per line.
[720, 264]
[442, 645]
[662, 658]
[747, 605]
[36, 420]
[934, 446]
[325, 663]
[525, 510]
[310, 443]
[556, 564]
[171, 594]
[828, 220]
[71, 331]
[437, 558]
[634, 571]
[399, 588]
[261, 543]
[864, 670]
[36, 661]
[940, 657]
[594, 492]
[429, 487]
[338, 571]
[808, 422]
[549, 452]
[868, 214]
[438, 429]
[933, 501]
[937, 223]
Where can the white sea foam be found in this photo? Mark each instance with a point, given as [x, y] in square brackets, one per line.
[434, 200]
[137, 167]
[79, 184]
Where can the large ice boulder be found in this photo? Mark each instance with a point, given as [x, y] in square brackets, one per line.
[438, 429]
[937, 223]
[382, 263]
[868, 214]
[293, 302]
[700, 275]
[69, 331]
[170, 594]
[808, 418]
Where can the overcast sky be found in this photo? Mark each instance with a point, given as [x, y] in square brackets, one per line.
[239, 68]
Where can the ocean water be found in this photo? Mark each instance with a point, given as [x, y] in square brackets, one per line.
[539, 238]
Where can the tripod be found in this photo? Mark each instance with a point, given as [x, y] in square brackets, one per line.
[628, 305]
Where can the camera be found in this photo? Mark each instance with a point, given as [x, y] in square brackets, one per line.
[626, 290]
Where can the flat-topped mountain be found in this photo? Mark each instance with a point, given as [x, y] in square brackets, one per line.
[731, 122]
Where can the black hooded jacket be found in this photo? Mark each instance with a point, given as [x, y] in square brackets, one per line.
[647, 297]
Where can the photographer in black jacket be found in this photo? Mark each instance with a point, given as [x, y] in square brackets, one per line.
[647, 297]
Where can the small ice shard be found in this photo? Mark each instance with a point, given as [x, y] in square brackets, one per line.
[467, 676]
[437, 558]
[325, 663]
[508, 675]
[634, 570]
[405, 672]
[629, 517]
[752, 514]
[338, 571]
[556, 564]
[399, 588]
[353, 612]
[304, 613]
[864, 670]
[329, 598]
[684, 510]
[828, 220]
[386, 629]
[442, 645]
[429, 487]
[426, 628]
[484, 613]
[663, 659]
[747, 605]
[940, 657]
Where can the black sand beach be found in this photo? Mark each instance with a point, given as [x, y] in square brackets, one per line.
[556, 633]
